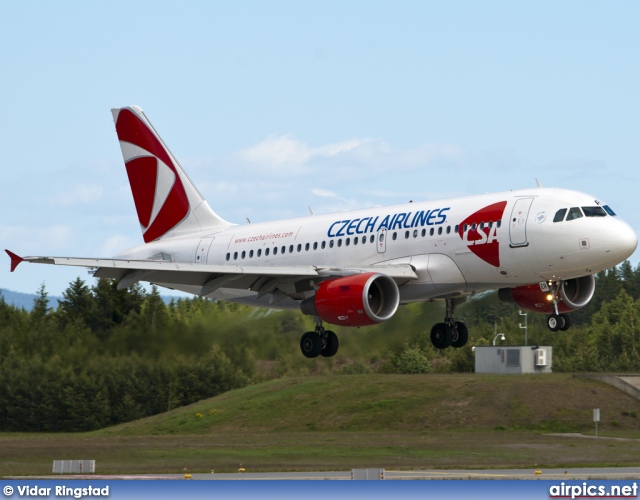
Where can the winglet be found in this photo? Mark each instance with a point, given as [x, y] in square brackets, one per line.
[15, 259]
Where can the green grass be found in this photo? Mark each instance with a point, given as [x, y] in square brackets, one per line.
[400, 403]
[340, 422]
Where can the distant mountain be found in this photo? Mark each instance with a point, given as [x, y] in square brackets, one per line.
[25, 300]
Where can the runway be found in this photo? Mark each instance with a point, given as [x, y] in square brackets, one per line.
[605, 473]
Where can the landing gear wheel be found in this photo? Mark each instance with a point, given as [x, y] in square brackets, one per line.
[567, 322]
[555, 322]
[441, 335]
[331, 347]
[460, 335]
[311, 344]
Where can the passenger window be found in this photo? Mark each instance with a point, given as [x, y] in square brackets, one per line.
[251, 254]
[355, 240]
[315, 245]
[243, 254]
[283, 249]
[559, 217]
[440, 230]
[330, 243]
[364, 240]
[499, 223]
[266, 251]
[415, 233]
[574, 213]
[235, 255]
[406, 235]
[299, 247]
[228, 256]
[323, 245]
[275, 251]
[431, 231]
[448, 229]
[259, 252]
[306, 247]
[424, 232]
[372, 239]
[347, 241]
[290, 248]
[395, 235]
[339, 242]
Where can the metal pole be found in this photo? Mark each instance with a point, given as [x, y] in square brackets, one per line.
[526, 330]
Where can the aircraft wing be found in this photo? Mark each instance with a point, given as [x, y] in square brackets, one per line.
[209, 277]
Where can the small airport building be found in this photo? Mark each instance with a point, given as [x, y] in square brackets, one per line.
[513, 360]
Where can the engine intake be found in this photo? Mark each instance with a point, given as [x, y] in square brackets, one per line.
[574, 294]
[358, 300]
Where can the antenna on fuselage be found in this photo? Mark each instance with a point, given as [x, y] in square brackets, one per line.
[248, 221]
[538, 183]
[311, 210]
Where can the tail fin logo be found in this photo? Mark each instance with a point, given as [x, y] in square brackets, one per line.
[158, 193]
[479, 231]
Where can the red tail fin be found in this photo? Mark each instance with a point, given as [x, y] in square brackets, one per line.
[165, 198]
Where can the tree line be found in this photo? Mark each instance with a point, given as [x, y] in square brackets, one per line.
[106, 356]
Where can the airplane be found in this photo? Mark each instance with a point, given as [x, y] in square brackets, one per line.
[539, 247]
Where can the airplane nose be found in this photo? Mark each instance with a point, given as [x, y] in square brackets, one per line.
[619, 240]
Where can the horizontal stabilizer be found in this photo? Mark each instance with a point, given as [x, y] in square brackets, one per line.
[15, 259]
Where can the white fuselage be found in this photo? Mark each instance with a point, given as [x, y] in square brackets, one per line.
[456, 246]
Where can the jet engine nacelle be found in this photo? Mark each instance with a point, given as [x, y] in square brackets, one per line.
[574, 294]
[357, 300]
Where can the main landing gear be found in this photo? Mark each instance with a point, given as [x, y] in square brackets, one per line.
[321, 342]
[450, 333]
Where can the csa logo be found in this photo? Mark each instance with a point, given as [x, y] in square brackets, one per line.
[479, 232]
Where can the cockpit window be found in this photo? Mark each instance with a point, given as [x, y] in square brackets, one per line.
[594, 211]
[608, 210]
[559, 217]
[574, 213]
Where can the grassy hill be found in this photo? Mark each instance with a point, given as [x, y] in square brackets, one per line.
[401, 403]
[341, 422]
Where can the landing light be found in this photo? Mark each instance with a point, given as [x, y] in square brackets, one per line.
[549, 297]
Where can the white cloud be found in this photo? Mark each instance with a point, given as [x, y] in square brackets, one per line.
[324, 193]
[81, 193]
[349, 159]
[116, 244]
[287, 155]
[37, 240]
[274, 151]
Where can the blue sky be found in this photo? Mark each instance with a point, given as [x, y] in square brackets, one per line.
[272, 106]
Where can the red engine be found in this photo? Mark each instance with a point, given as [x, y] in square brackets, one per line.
[573, 294]
[358, 300]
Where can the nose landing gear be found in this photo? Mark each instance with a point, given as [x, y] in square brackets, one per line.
[557, 321]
